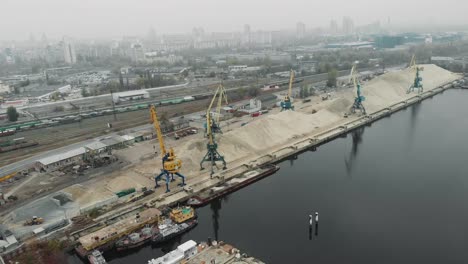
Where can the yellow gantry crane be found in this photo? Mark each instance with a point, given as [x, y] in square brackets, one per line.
[170, 163]
[211, 127]
[417, 83]
[286, 104]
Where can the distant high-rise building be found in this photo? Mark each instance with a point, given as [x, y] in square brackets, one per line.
[152, 37]
[10, 59]
[246, 35]
[198, 34]
[348, 26]
[137, 52]
[333, 27]
[300, 30]
[69, 53]
[44, 40]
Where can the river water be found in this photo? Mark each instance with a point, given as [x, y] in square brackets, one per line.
[392, 192]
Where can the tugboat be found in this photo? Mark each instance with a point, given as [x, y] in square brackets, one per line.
[96, 257]
[232, 185]
[136, 239]
[180, 221]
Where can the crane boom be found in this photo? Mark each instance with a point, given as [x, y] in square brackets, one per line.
[157, 127]
[222, 95]
[286, 104]
[291, 79]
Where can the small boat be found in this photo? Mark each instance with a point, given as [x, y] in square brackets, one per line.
[135, 239]
[232, 185]
[180, 220]
[96, 257]
[169, 229]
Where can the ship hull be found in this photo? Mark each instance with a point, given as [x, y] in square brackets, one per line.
[133, 245]
[197, 201]
[158, 238]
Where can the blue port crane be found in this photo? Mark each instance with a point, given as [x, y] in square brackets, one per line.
[171, 165]
[286, 104]
[357, 105]
[417, 83]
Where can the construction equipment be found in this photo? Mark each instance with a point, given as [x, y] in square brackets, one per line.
[212, 155]
[170, 163]
[215, 125]
[417, 83]
[286, 104]
[357, 105]
[34, 221]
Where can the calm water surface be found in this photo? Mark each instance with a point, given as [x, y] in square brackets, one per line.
[394, 192]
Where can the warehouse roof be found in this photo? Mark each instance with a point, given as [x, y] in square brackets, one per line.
[96, 145]
[62, 156]
[130, 93]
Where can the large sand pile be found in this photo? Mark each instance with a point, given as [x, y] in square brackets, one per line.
[391, 88]
[258, 137]
[266, 133]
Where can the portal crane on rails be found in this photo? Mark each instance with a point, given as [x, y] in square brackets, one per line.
[417, 83]
[357, 105]
[170, 163]
[212, 155]
[215, 124]
[286, 104]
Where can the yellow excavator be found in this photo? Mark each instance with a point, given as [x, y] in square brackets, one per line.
[170, 163]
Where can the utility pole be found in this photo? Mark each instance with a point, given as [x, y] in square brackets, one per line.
[113, 104]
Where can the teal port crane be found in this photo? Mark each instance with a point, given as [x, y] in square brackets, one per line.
[286, 104]
[357, 105]
[417, 83]
[212, 155]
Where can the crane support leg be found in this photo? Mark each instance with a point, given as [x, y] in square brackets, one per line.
[182, 177]
[157, 178]
[212, 156]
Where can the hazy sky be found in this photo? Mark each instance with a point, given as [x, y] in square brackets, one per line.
[113, 18]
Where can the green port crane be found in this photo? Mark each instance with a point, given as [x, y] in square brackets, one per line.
[357, 105]
[286, 104]
[417, 83]
[212, 155]
[170, 163]
[215, 123]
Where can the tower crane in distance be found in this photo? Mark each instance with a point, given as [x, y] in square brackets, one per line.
[417, 83]
[170, 163]
[286, 104]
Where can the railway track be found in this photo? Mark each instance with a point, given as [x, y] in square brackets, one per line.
[52, 137]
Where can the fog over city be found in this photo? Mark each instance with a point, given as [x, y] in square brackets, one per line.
[111, 18]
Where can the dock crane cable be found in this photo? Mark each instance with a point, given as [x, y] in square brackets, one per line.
[417, 83]
[212, 155]
[286, 104]
[170, 163]
[357, 105]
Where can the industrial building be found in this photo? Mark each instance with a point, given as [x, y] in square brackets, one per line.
[76, 155]
[130, 95]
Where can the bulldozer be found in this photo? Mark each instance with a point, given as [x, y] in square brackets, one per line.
[34, 221]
